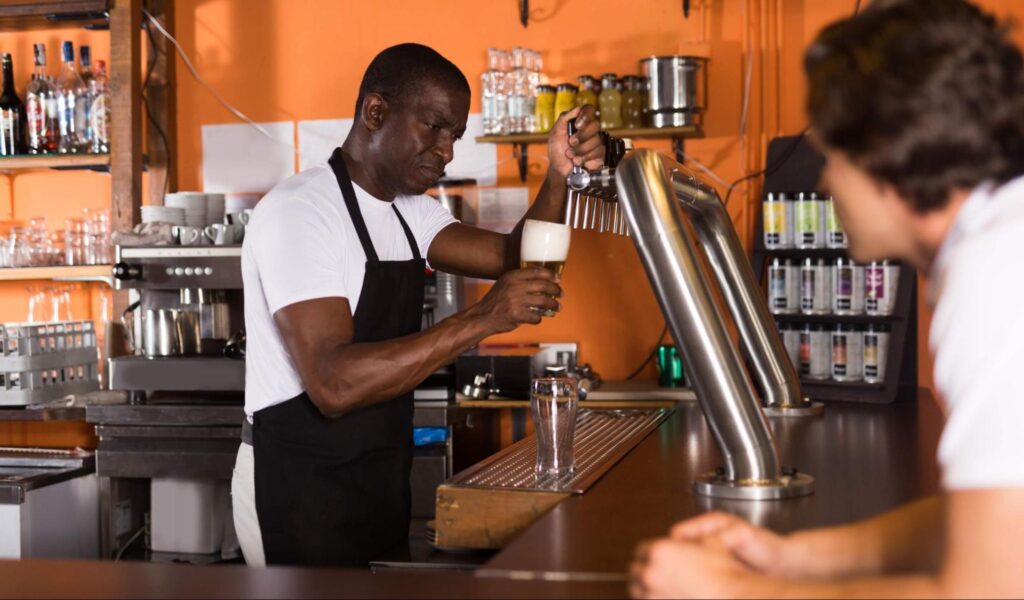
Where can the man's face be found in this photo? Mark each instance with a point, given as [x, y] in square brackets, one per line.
[418, 136]
[876, 219]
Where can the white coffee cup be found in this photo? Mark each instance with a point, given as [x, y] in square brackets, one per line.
[221, 234]
[187, 236]
[239, 218]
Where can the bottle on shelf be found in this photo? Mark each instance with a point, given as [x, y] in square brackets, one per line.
[632, 108]
[588, 89]
[12, 113]
[495, 93]
[99, 110]
[72, 105]
[86, 73]
[41, 108]
[610, 100]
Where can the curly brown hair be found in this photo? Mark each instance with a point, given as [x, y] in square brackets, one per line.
[927, 95]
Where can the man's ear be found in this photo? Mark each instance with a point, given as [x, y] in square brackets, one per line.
[374, 111]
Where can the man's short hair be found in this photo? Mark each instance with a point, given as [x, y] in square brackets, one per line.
[927, 95]
[400, 71]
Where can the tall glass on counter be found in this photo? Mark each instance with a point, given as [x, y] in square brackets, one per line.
[554, 405]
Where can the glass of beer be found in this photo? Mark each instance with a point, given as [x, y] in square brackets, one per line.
[544, 245]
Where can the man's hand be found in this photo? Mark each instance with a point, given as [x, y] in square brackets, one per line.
[759, 549]
[669, 568]
[516, 298]
[584, 148]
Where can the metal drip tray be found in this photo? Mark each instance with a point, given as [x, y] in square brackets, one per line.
[602, 438]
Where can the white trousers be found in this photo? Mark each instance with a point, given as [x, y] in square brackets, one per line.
[243, 503]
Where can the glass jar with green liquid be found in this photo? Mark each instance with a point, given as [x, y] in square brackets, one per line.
[589, 87]
[632, 102]
[610, 102]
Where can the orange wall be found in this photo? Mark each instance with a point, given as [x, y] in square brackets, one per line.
[302, 59]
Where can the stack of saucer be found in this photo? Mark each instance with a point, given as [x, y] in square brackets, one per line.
[236, 203]
[194, 205]
[214, 208]
[163, 214]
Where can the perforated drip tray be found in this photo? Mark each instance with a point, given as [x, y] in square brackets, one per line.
[602, 438]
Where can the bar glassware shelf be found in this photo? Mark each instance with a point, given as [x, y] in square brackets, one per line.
[96, 162]
[72, 273]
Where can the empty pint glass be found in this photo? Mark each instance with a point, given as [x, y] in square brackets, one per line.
[544, 245]
[554, 404]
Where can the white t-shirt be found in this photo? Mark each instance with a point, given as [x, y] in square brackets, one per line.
[299, 245]
[977, 337]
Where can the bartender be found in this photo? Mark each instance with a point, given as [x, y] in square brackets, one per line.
[333, 267]
[918, 107]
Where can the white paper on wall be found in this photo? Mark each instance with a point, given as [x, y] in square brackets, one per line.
[239, 158]
[473, 160]
[318, 138]
[500, 209]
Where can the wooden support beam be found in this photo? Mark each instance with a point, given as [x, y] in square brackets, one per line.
[126, 112]
[125, 124]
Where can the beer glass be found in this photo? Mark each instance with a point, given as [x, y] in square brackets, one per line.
[553, 405]
[544, 245]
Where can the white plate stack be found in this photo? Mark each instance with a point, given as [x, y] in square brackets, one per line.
[214, 208]
[193, 203]
[236, 203]
[163, 214]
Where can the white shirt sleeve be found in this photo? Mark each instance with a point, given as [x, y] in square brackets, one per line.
[977, 335]
[297, 253]
[426, 219]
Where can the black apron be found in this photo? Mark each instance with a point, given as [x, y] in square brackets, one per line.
[336, 491]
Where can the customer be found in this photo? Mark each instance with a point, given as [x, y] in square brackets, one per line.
[918, 106]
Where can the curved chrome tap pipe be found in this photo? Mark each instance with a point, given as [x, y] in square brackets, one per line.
[669, 254]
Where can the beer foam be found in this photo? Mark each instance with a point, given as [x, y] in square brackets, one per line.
[544, 241]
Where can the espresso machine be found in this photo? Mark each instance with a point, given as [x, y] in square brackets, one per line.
[165, 456]
[184, 322]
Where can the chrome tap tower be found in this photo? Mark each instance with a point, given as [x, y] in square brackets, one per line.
[650, 197]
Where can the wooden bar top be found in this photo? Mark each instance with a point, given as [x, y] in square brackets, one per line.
[865, 459]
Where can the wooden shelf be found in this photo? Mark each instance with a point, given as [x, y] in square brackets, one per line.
[63, 272]
[690, 131]
[55, 161]
[23, 15]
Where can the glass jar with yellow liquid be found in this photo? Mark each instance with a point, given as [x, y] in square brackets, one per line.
[589, 88]
[565, 98]
[610, 102]
[544, 109]
[632, 102]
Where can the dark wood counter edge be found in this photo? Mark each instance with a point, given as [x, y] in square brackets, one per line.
[565, 543]
[87, 579]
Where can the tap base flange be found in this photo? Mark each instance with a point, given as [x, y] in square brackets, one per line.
[810, 409]
[787, 486]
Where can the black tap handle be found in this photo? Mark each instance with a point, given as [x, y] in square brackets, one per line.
[572, 127]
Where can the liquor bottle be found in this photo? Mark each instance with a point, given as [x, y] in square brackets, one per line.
[12, 114]
[99, 110]
[85, 72]
[71, 105]
[41, 108]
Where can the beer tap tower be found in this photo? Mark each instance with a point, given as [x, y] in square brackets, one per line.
[646, 196]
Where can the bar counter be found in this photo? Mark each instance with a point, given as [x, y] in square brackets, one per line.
[864, 458]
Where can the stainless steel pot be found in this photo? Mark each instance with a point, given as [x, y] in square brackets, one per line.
[165, 331]
[676, 90]
[213, 309]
